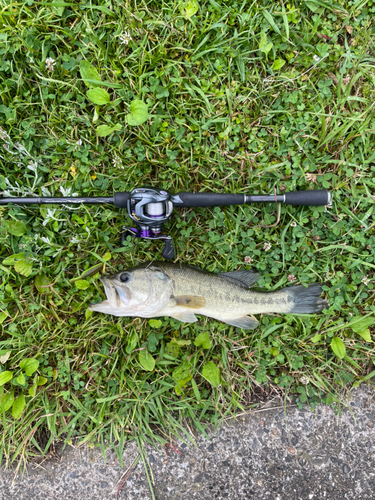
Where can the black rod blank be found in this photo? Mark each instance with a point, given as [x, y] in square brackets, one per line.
[316, 197]
[94, 200]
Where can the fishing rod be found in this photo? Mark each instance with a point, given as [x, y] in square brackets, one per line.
[151, 208]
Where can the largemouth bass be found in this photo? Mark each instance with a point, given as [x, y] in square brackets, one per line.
[181, 291]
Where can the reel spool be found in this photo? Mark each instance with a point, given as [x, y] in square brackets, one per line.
[149, 208]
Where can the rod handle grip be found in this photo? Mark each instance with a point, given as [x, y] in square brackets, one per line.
[207, 199]
[314, 198]
[121, 200]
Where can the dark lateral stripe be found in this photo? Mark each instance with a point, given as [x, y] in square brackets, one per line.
[266, 300]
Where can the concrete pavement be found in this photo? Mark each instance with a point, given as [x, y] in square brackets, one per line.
[264, 455]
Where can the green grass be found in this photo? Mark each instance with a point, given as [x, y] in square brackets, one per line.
[223, 116]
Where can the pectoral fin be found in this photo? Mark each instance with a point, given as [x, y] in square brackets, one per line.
[193, 301]
[103, 307]
[185, 317]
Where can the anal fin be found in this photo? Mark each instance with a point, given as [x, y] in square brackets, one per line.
[185, 317]
[244, 322]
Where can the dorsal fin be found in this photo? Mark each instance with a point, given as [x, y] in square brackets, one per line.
[244, 278]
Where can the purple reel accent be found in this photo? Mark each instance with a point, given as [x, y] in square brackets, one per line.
[144, 233]
[168, 251]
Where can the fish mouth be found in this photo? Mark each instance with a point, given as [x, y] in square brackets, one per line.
[117, 295]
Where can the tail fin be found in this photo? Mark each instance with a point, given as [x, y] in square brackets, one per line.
[306, 300]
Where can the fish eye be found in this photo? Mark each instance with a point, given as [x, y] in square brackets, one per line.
[124, 277]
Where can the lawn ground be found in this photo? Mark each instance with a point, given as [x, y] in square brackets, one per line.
[246, 97]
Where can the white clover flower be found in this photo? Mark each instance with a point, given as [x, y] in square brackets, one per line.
[316, 58]
[267, 246]
[291, 278]
[125, 38]
[365, 280]
[116, 162]
[311, 177]
[293, 224]
[50, 64]
[304, 380]
[248, 259]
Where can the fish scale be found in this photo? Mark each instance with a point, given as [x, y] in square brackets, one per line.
[181, 291]
[217, 301]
